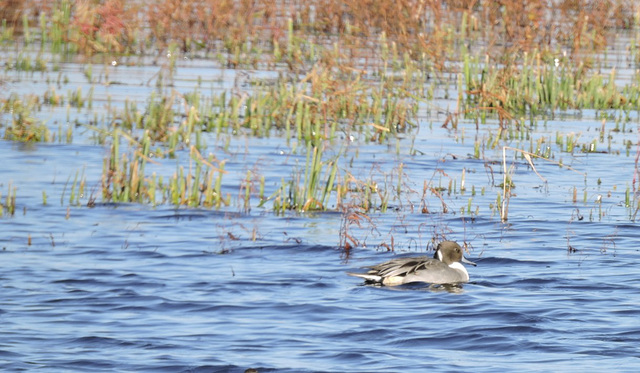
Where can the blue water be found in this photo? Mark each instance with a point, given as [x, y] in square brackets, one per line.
[130, 287]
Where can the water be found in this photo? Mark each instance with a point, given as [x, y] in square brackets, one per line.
[132, 289]
[137, 288]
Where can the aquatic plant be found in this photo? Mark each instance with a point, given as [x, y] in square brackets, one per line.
[366, 71]
[310, 189]
[111, 26]
[9, 204]
[263, 31]
[76, 191]
[124, 177]
[352, 218]
[23, 126]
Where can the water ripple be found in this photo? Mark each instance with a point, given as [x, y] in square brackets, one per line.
[180, 303]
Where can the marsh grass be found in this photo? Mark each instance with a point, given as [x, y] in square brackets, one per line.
[309, 188]
[265, 31]
[359, 70]
[23, 125]
[536, 87]
[125, 178]
[8, 204]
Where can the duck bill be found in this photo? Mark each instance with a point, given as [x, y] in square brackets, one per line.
[465, 260]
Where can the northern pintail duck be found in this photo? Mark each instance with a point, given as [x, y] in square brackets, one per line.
[443, 268]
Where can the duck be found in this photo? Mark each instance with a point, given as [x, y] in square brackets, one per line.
[444, 268]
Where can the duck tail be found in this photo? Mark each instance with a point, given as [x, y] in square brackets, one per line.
[367, 276]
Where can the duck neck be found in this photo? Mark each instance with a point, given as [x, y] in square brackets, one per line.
[460, 268]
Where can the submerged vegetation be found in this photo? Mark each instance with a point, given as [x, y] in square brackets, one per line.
[345, 73]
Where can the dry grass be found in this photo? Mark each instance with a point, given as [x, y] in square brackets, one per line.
[425, 29]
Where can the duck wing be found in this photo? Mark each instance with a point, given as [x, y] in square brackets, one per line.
[403, 266]
[417, 269]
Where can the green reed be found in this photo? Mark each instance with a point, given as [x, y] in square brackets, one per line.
[60, 21]
[9, 205]
[24, 126]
